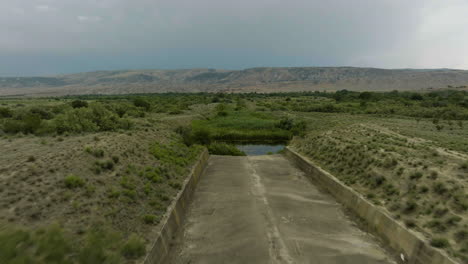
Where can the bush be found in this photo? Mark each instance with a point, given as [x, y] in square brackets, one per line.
[5, 112]
[102, 165]
[296, 127]
[186, 133]
[410, 207]
[285, 123]
[436, 225]
[410, 223]
[79, 104]
[98, 153]
[461, 235]
[20, 246]
[140, 102]
[29, 123]
[134, 248]
[202, 136]
[440, 188]
[176, 185]
[299, 128]
[464, 166]
[416, 175]
[92, 119]
[73, 181]
[440, 242]
[453, 220]
[224, 149]
[150, 219]
[52, 245]
[42, 112]
[96, 248]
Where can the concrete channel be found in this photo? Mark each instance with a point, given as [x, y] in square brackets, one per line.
[262, 209]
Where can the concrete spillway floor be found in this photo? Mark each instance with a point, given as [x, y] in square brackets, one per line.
[261, 209]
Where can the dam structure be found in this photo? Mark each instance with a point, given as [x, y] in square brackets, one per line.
[263, 209]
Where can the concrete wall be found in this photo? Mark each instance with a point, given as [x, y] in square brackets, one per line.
[175, 214]
[414, 248]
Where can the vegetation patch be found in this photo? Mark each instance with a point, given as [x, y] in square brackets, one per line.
[219, 148]
[73, 181]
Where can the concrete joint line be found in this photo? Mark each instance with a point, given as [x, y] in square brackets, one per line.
[277, 248]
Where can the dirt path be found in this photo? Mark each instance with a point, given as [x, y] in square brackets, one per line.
[261, 209]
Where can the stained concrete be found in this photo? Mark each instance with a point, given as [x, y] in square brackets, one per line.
[261, 209]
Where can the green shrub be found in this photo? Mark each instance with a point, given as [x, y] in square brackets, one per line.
[31, 123]
[73, 181]
[150, 219]
[440, 242]
[410, 223]
[113, 193]
[127, 183]
[221, 110]
[217, 148]
[5, 112]
[296, 127]
[176, 185]
[44, 246]
[98, 153]
[134, 248]
[140, 102]
[42, 112]
[440, 211]
[202, 136]
[416, 175]
[464, 166]
[461, 235]
[95, 118]
[53, 245]
[99, 247]
[79, 104]
[453, 220]
[28, 124]
[440, 188]
[102, 165]
[175, 111]
[14, 245]
[436, 225]
[389, 163]
[410, 206]
[107, 165]
[285, 123]
[186, 133]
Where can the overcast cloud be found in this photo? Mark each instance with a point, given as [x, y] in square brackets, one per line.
[40, 37]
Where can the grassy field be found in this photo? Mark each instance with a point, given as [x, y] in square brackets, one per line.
[94, 191]
[87, 179]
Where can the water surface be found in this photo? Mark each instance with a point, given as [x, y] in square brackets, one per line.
[256, 150]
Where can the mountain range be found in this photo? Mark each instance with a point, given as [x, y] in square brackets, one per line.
[263, 80]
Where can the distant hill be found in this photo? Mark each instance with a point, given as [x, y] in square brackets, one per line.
[248, 80]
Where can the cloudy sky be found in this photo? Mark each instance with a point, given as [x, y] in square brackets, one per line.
[42, 37]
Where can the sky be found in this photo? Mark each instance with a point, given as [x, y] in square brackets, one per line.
[47, 37]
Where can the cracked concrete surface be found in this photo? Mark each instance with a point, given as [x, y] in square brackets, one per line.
[261, 209]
